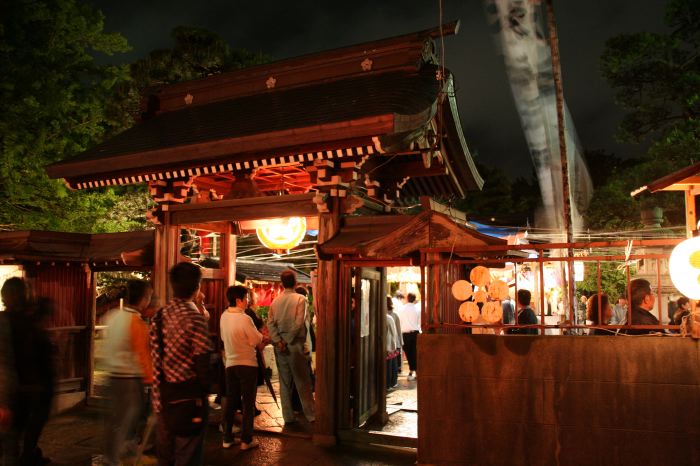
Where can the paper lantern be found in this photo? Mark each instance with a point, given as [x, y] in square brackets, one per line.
[282, 233]
[492, 312]
[481, 296]
[684, 266]
[469, 311]
[498, 290]
[461, 290]
[480, 276]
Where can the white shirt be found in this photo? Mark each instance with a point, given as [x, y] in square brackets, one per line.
[409, 315]
[240, 338]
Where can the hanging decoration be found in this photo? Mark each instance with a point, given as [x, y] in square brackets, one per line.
[481, 291]
[282, 233]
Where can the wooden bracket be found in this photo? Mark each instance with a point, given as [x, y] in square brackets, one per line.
[169, 191]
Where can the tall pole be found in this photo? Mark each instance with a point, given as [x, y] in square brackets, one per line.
[559, 94]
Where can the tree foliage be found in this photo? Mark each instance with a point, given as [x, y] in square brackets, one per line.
[58, 102]
[502, 201]
[656, 77]
[612, 280]
[197, 53]
[54, 104]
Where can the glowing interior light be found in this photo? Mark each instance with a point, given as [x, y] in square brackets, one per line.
[684, 266]
[282, 233]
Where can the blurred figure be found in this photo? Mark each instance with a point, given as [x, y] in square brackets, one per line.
[392, 346]
[409, 315]
[619, 313]
[398, 300]
[130, 369]
[599, 312]
[8, 387]
[32, 355]
[399, 341]
[508, 311]
[682, 311]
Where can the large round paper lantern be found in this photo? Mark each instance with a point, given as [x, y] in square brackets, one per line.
[282, 233]
[492, 312]
[684, 265]
[469, 311]
[480, 276]
[461, 290]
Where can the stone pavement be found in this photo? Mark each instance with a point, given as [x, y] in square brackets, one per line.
[75, 439]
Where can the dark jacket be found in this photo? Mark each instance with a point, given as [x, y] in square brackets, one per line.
[642, 317]
[526, 316]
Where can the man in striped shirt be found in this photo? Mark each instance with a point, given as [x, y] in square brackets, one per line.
[184, 356]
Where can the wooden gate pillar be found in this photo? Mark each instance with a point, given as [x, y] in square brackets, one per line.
[166, 252]
[326, 307]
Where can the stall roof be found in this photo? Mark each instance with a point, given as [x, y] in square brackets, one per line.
[680, 180]
[395, 237]
[129, 248]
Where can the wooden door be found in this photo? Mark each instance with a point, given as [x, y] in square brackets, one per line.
[367, 346]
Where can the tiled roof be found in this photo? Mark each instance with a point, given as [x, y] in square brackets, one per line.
[395, 93]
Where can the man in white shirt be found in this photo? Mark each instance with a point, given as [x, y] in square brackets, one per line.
[240, 338]
[409, 315]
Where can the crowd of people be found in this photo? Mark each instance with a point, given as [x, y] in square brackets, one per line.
[160, 360]
[161, 368]
[602, 317]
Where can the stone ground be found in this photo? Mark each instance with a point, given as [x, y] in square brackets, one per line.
[75, 439]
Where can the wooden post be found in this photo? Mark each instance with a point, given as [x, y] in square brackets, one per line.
[166, 253]
[559, 94]
[326, 296]
[228, 260]
[691, 217]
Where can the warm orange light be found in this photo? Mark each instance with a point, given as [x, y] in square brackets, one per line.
[282, 233]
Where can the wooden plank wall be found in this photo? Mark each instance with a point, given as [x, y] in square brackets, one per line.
[69, 288]
[564, 400]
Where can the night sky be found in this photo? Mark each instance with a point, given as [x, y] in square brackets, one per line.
[282, 29]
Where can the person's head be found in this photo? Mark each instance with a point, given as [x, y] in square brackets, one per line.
[399, 296]
[411, 298]
[683, 303]
[640, 291]
[584, 298]
[15, 294]
[389, 304]
[524, 297]
[237, 296]
[622, 301]
[595, 303]
[138, 294]
[185, 278]
[301, 290]
[288, 279]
